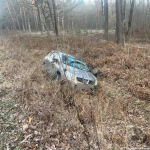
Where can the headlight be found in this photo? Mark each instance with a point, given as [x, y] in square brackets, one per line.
[92, 82]
[79, 79]
[96, 82]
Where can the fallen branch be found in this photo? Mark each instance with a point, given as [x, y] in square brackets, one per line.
[26, 138]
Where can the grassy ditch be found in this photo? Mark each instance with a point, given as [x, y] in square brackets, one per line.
[108, 119]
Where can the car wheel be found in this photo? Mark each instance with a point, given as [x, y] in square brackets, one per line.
[93, 90]
[57, 77]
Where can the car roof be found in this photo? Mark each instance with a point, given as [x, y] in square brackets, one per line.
[61, 53]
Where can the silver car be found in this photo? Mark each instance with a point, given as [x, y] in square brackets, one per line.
[66, 67]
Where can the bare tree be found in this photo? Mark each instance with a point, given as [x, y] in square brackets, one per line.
[106, 18]
[119, 32]
[130, 20]
[55, 17]
[24, 13]
[27, 13]
[102, 6]
[68, 16]
[35, 16]
[147, 14]
[63, 16]
[11, 15]
[97, 15]
[15, 14]
[21, 16]
[40, 22]
[124, 16]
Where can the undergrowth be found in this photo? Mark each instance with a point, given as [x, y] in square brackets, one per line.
[79, 120]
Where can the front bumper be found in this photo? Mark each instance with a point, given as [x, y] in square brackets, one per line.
[85, 87]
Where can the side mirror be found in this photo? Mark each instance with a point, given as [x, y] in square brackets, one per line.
[91, 70]
[95, 75]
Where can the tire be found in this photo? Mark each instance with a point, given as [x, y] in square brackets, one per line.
[57, 77]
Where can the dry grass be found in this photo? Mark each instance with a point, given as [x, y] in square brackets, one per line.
[108, 113]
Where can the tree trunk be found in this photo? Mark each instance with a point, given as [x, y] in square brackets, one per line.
[50, 20]
[35, 17]
[43, 28]
[55, 17]
[63, 17]
[147, 15]
[40, 24]
[128, 32]
[16, 15]
[102, 6]
[98, 16]
[68, 19]
[124, 15]
[11, 15]
[29, 25]
[119, 34]
[18, 25]
[106, 18]
[51, 16]
[21, 16]
[57, 12]
[24, 12]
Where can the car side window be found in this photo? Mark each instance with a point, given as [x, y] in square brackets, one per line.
[64, 59]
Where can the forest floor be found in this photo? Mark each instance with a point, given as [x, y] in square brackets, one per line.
[36, 113]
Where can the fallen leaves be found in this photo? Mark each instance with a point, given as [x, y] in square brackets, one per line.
[25, 127]
[30, 119]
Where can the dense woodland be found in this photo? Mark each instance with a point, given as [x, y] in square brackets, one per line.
[123, 16]
[112, 37]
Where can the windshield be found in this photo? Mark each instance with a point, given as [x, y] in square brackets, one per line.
[71, 61]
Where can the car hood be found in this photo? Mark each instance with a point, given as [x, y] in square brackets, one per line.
[74, 72]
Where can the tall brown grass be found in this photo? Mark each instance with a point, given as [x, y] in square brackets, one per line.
[104, 115]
